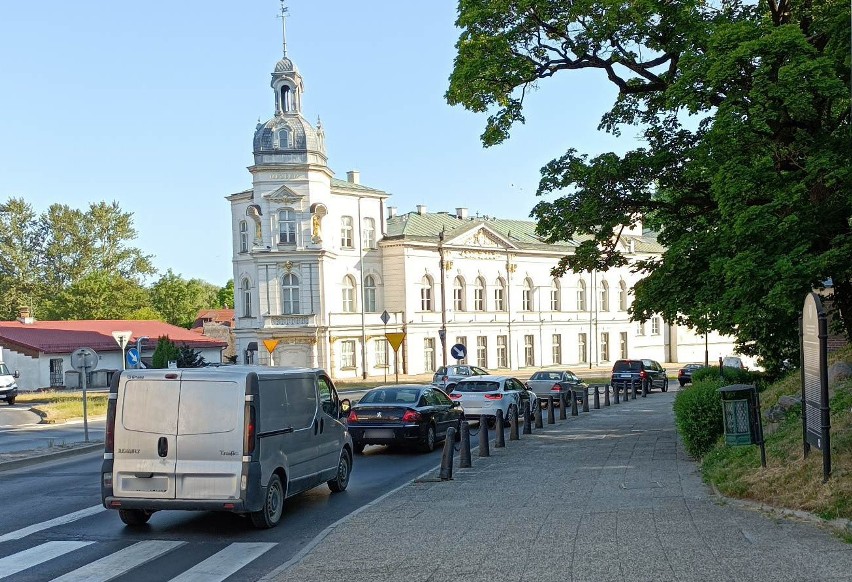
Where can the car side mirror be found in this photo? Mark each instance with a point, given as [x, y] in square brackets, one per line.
[17, 374]
[345, 407]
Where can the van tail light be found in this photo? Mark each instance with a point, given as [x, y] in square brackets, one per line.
[411, 416]
[556, 388]
[494, 397]
[250, 431]
[109, 436]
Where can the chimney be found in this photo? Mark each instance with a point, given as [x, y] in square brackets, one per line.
[353, 177]
[24, 315]
[461, 213]
[391, 211]
[421, 209]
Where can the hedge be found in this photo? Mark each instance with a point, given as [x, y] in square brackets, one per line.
[698, 415]
[729, 375]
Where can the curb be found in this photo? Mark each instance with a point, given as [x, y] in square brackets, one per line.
[36, 459]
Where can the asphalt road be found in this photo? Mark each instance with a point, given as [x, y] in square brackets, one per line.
[56, 490]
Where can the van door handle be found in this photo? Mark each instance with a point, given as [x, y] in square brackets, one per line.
[163, 447]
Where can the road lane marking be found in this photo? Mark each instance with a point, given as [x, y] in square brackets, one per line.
[68, 518]
[120, 562]
[37, 555]
[224, 563]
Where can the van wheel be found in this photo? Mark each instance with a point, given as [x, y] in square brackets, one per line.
[428, 444]
[273, 505]
[134, 516]
[10, 400]
[341, 480]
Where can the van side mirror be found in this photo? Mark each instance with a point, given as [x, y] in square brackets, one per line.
[17, 374]
[345, 407]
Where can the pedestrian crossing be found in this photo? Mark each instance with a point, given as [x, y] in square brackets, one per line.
[43, 561]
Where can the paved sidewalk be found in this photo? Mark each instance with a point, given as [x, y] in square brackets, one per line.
[606, 496]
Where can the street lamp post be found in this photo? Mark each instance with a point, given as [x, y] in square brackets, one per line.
[443, 333]
[139, 342]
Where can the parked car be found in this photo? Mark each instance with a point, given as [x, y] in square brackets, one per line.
[403, 415]
[447, 376]
[684, 375]
[8, 384]
[733, 362]
[487, 394]
[558, 383]
[643, 372]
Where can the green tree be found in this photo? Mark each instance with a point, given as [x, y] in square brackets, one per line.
[225, 296]
[165, 352]
[179, 300]
[744, 112]
[99, 295]
[189, 357]
[20, 260]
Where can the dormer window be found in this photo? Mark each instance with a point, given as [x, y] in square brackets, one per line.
[282, 135]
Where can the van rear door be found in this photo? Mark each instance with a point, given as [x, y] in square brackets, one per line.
[145, 436]
[210, 428]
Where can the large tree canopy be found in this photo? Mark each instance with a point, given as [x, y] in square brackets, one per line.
[744, 173]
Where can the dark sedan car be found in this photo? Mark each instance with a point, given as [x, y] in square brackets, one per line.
[403, 415]
[684, 375]
[626, 373]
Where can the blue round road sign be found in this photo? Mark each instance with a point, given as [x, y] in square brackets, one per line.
[132, 357]
[458, 351]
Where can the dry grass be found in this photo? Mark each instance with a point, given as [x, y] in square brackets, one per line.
[789, 479]
[57, 406]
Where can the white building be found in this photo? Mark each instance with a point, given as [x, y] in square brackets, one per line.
[317, 260]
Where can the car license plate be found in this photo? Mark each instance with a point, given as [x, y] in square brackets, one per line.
[378, 433]
[624, 375]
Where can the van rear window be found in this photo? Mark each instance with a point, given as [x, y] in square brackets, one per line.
[208, 407]
[627, 366]
[150, 406]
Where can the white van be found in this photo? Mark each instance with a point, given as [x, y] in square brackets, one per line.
[231, 438]
[8, 384]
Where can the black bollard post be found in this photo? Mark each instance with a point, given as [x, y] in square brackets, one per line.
[527, 418]
[585, 391]
[513, 424]
[563, 405]
[550, 404]
[615, 392]
[606, 395]
[635, 391]
[484, 445]
[500, 437]
[573, 403]
[644, 390]
[464, 446]
[597, 398]
[629, 389]
[447, 456]
[538, 419]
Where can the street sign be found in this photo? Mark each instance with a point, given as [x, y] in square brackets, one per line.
[385, 317]
[271, 345]
[442, 333]
[458, 351]
[122, 337]
[132, 358]
[84, 359]
[395, 339]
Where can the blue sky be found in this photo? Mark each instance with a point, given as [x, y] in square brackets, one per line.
[154, 104]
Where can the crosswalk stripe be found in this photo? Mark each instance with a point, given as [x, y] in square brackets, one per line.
[224, 563]
[68, 518]
[37, 555]
[116, 564]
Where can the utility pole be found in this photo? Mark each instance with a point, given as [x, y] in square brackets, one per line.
[443, 331]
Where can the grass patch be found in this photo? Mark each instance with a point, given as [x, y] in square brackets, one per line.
[789, 479]
[57, 406]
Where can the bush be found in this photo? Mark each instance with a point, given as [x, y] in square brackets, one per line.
[698, 416]
[166, 351]
[729, 375]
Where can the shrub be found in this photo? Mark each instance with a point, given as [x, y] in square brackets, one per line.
[729, 375]
[698, 416]
[166, 351]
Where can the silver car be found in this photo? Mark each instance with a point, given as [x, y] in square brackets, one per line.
[556, 383]
[446, 377]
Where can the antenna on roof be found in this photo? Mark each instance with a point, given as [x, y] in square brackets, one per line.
[283, 16]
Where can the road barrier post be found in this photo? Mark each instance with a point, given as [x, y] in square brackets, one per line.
[464, 446]
[500, 437]
[550, 403]
[513, 424]
[597, 398]
[606, 395]
[585, 392]
[615, 391]
[538, 420]
[527, 418]
[446, 473]
[563, 404]
[573, 403]
[484, 445]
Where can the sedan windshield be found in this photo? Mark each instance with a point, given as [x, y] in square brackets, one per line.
[477, 386]
[391, 396]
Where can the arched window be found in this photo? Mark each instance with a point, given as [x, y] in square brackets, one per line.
[283, 137]
[245, 287]
[243, 236]
[286, 227]
[346, 232]
[285, 98]
[581, 295]
[500, 295]
[622, 296]
[370, 294]
[479, 295]
[458, 294]
[555, 304]
[426, 294]
[289, 294]
[603, 294]
[368, 233]
[526, 296]
[348, 294]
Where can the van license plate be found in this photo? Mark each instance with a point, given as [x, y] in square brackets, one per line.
[378, 433]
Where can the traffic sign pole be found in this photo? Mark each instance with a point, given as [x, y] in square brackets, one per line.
[82, 360]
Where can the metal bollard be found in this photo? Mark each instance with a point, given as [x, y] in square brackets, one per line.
[550, 403]
[500, 437]
[635, 391]
[644, 390]
[527, 418]
[447, 456]
[606, 395]
[585, 399]
[538, 419]
[464, 446]
[513, 424]
[484, 445]
[597, 398]
[573, 403]
[563, 405]
[615, 392]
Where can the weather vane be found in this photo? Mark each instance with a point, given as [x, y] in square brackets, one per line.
[283, 16]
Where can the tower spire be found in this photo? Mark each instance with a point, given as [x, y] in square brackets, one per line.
[283, 17]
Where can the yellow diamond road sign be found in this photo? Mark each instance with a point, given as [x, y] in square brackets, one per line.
[270, 345]
[395, 339]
